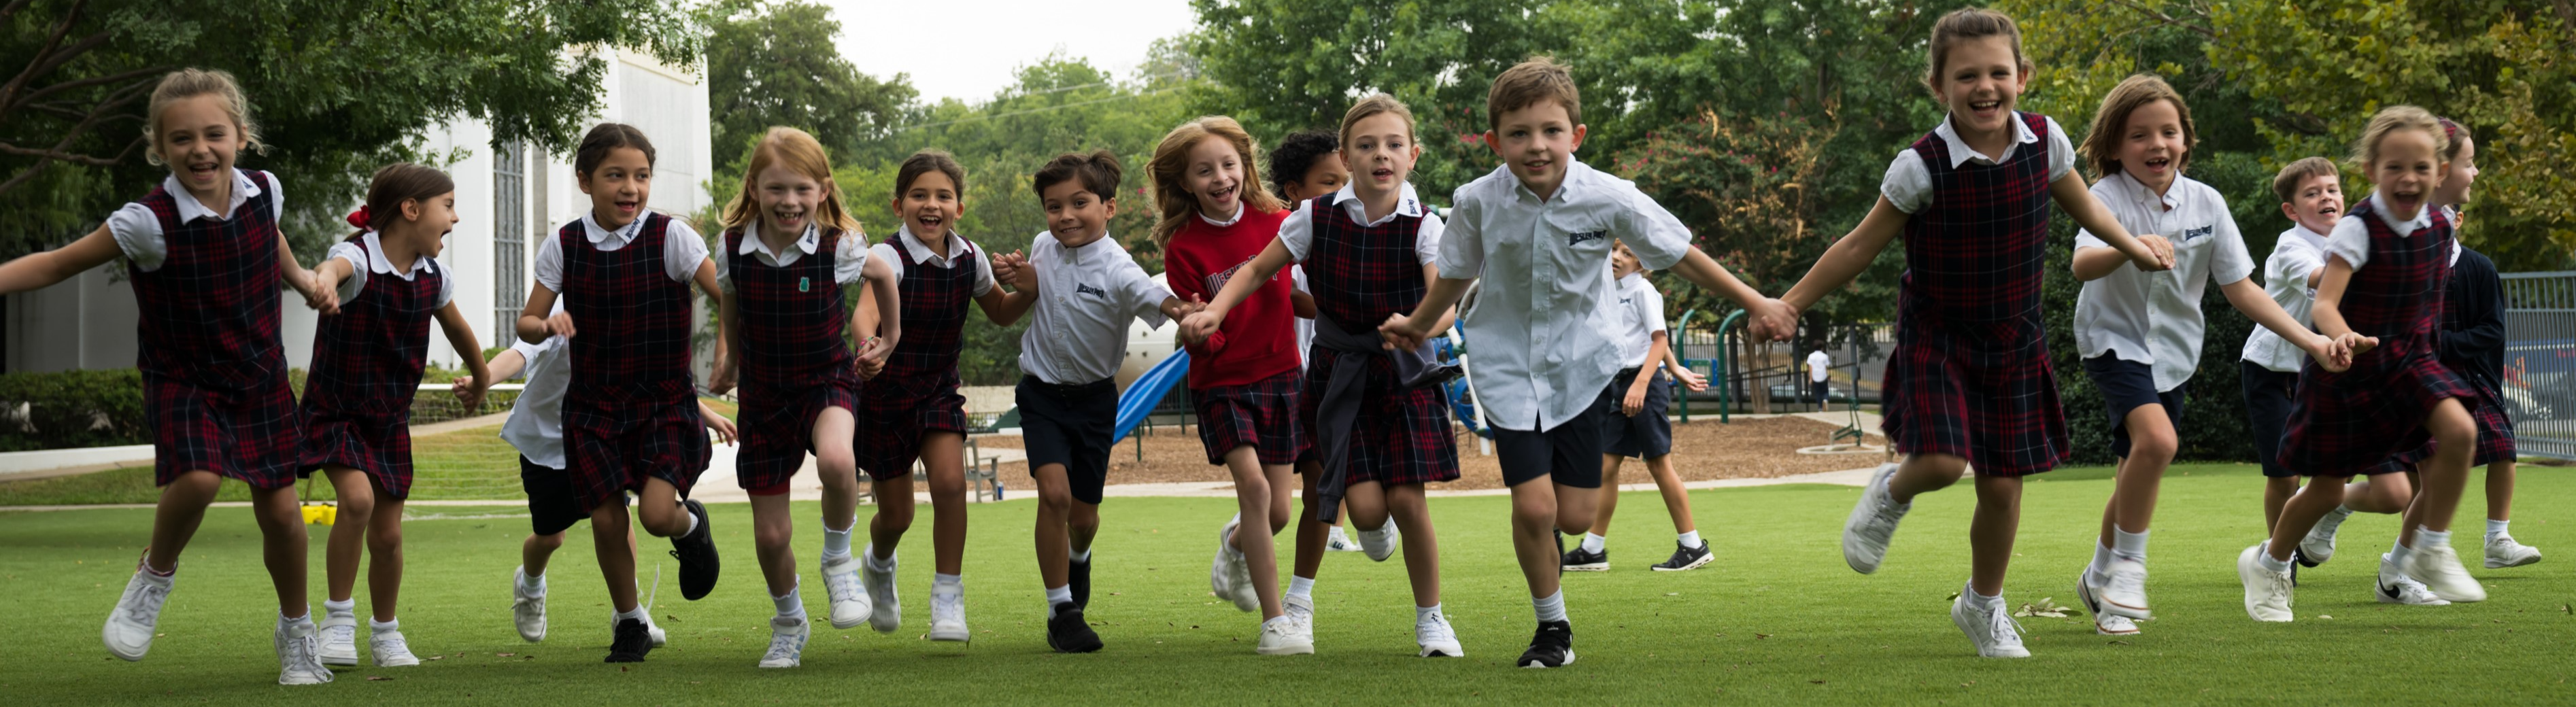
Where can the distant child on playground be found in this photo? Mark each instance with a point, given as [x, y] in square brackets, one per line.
[1639, 428]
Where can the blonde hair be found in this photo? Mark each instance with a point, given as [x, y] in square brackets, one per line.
[798, 152]
[2102, 142]
[1372, 105]
[184, 84]
[1538, 80]
[1968, 23]
[2392, 119]
[1172, 157]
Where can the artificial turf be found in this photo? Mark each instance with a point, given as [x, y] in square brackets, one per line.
[1777, 618]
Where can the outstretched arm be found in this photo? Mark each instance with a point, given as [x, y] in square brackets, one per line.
[1840, 264]
[2071, 195]
[1252, 277]
[41, 270]
[2259, 307]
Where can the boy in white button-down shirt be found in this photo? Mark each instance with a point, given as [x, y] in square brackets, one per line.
[1544, 223]
[2311, 193]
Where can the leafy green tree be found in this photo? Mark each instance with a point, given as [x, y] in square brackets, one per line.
[775, 63]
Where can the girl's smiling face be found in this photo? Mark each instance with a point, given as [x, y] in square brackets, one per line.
[2151, 145]
[1325, 176]
[1215, 176]
[2408, 171]
[198, 139]
[930, 205]
[2463, 173]
[619, 187]
[1981, 80]
[787, 200]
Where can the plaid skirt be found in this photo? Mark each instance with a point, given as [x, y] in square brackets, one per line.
[894, 414]
[375, 443]
[254, 435]
[1401, 436]
[2495, 432]
[1987, 394]
[1263, 414]
[2356, 421]
[777, 426]
[611, 448]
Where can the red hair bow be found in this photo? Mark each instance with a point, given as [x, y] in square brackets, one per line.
[360, 218]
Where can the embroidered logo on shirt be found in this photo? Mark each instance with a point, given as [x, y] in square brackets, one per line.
[1575, 239]
[1082, 289]
[804, 284]
[2191, 233]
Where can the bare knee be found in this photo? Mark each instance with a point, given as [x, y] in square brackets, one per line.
[1055, 499]
[384, 541]
[546, 543]
[2155, 444]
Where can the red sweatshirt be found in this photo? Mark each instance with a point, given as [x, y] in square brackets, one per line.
[1259, 338]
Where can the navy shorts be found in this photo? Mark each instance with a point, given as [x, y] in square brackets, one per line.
[1070, 425]
[1570, 455]
[552, 504]
[2126, 386]
[1646, 435]
[2268, 395]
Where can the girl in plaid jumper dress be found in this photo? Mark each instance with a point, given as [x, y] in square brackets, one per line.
[367, 363]
[789, 250]
[205, 258]
[1969, 383]
[910, 406]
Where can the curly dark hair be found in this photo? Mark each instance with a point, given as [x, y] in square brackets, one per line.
[1296, 154]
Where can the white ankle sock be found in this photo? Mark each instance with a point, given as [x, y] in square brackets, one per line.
[1082, 555]
[1592, 542]
[2495, 527]
[693, 523]
[1422, 612]
[374, 626]
[1550, 607]
[1690, 540]
[789, 604]
[2129, 546]
[637, 614]
[344, 607]
[2101, 560]
[836, 542]
[531, 582]
[2265, 556]
[2398, 551]
[1058, 595]
[1301, 587]
[284, 621]
[2432, 538]
[947, 584]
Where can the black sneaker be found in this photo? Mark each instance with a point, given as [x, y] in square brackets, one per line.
[632, 642]
[2297, 560]
[1066, 632]
[697, 554]
[1552, 647]
[1077, 575]
[1684, 558]
[1580, 560]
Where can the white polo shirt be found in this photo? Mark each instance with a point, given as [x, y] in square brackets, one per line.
[682, 249]
[1908, 184]
[1637, 315]
[849, 257]
[2154, 318]
[1543, 350]
[138, 231]
[373, 261]
[1817, 362]
[957, 248]
[2299, 254]
[2351, 238]
[536, 418]
[1086, 297]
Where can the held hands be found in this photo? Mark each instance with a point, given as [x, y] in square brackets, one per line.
[2160, 253]
[2331, 354]
[560, 325]
[1013, 269]
[322, 299]
[1401, 334]
[469, 392]
[1773, 320]
[872, 357]
[2356, 344]
[723, 381]
[1198, 324]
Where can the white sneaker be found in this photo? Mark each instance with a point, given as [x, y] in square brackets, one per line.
[1229, 575]
[850, 604]
[2397, 588]
[2503, 552]
[129, 628]
[1340, 541]
[297, 662]
[885, 612]
[1872, 523]
[1988, 625]
[528, 608]
[786, 642]
[2104, 623]
[1239, 576]
[2124, 590]
[1301, 610]
[2438, 567]
[948, 616]
[339, 639]
[389, 648]
[2319, 545]
[1382, 542]
[1432, 632]
[2267, 593]
[1279, 636]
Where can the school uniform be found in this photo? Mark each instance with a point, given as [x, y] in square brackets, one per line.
[1637, 315]
[1069, 357]
[2472, 345]
[535, 428]
[1970, 375]
[2139, 333]
[2269, 369]
[1243, 380]
[630, 409]
[795, 358]
[916, 393]
[214, 378]
[1368, 421]
[2351, 422]
[367, 363]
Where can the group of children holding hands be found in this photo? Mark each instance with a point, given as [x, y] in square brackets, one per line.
[1566, 334]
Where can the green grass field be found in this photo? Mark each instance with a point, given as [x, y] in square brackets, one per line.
[1777, 619]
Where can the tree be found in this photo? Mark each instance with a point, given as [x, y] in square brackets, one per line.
[338, 89]
[775, 63]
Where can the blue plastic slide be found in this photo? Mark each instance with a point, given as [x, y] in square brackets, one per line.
[1148, 391]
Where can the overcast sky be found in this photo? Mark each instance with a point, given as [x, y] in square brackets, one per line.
[968, 49]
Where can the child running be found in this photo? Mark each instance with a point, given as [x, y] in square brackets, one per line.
[2387, 265]
[1216, 215]
[1380, 421]
[2311, 194]
[1088, 289]
[2139, 333]
[913, 412]
[205, 257]
[1969, 384]
[1537, 231]
[367, 364]
[630, 411]
[789, 250]
[1640, 429]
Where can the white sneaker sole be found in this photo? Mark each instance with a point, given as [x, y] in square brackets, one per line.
[1535, 665]
[956, 634]
[1443, 650]
[1586, 567]
[1695, 564]
[2084, 594]
[2495, 563]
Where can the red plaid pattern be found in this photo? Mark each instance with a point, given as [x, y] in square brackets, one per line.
[366, 367]
[1361, 275]
[796, 358]
[2495, 433]
[1264, 414]
[631, 409]
[2353, 422]
[917, 391]
[1970, 375]
[214, 376]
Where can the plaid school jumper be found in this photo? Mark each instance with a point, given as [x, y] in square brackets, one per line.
[917, 391]
[2352, 422]
[1360, 275]
[1970, 375]
[631, 410]
[366, 367]
[214, 376]
[796, 357]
